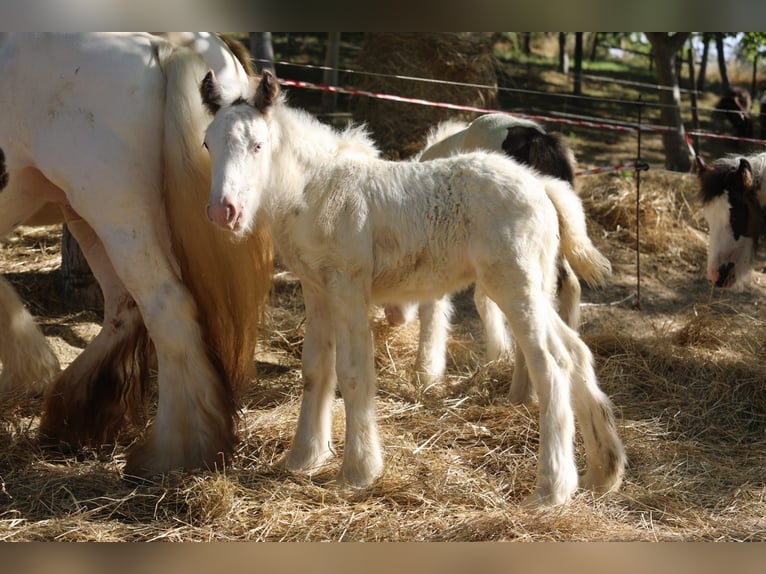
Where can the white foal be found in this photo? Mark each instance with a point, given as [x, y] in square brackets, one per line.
[528, 143]
[358, 230]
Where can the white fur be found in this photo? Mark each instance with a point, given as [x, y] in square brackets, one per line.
[82, 126]
[488, 132]
[359, 230]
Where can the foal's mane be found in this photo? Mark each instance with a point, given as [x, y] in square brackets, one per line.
[316, 135]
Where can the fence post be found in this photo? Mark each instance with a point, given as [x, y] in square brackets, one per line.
[640, 166]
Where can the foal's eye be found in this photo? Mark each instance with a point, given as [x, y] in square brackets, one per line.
[204, 144]
[256, 148]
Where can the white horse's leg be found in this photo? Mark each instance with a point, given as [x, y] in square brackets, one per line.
[499, 340]
[362, 457]
[194, 425]
[312, 444]
[499, 344]
[90, 400]
[568, 299]
[28, 362]
[432, 345]
[535, 327]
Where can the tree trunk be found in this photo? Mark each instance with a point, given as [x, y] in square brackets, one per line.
[78, 283]
[262, 50]
[666, 47]
[722, 63]
[578, 64]
[594, 46]
[563, 56]
[703, 62]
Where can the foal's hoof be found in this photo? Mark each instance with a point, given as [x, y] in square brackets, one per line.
[539, 501]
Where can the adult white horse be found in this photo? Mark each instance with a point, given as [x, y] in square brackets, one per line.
[109, 127]
[359, 230]
[527, 142]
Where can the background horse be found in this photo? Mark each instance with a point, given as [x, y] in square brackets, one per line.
[733, 203]
[734, 107]
[109, 127]
[528, 143]
[359, 230]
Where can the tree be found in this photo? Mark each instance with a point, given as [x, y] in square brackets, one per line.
[578, 64]
[706, 36]
[751, 46]
[666, 47]
[262, 50]
[722, 62]
[563, 56]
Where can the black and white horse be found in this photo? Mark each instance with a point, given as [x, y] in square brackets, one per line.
[733, 205]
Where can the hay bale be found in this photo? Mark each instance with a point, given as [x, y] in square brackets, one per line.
[400, 128]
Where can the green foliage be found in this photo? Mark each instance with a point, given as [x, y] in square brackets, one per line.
[752, 44]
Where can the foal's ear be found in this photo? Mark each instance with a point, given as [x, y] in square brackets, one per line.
[210, 90]
[267, 91]
[745, 172]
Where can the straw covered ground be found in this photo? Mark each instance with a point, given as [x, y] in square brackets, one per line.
[685, 371]
[684, 365]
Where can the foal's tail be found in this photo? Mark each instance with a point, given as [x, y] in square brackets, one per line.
[576, 246]
[229, 280]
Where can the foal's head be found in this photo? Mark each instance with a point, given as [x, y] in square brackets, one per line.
[731, 207]
[239, 145]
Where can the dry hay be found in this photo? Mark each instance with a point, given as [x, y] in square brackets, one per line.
[400, 128]
[668, 208]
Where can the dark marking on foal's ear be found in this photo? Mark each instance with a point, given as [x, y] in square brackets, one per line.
[210, 90]
[267, 91]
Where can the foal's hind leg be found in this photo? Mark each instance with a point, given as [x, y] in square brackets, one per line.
[568, 295]
[89, 401]
[312, 444]
[499, 344]
[432, 344]
[533, 321]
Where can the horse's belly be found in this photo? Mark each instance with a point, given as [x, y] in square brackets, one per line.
[420, 280]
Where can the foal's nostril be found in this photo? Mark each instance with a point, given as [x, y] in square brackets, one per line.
[224, 214]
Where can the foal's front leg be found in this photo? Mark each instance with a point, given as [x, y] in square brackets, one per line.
[312, 444]
[362, 457]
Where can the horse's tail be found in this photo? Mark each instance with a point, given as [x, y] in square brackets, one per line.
[576, 246]
[241, 53]
[229, 280]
